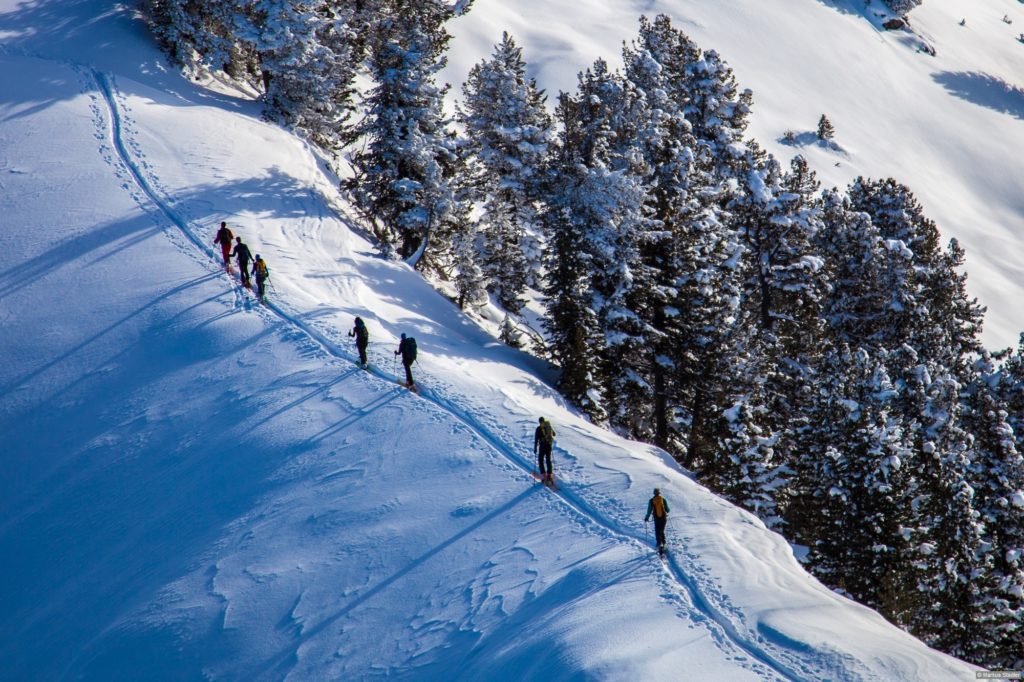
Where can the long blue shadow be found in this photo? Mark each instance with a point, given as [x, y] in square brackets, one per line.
[984, 90]
[280, 661]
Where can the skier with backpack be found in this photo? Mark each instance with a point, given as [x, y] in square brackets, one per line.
[543, 439]
[244, 255]
[407, 349]
[224, 238]
[259, 268]
[362, 339]
[658, 508]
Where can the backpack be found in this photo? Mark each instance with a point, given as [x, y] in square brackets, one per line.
[261, 269]
[409, 350]
[362, 335]
[225, 236]
[547, 434]
[658, 506]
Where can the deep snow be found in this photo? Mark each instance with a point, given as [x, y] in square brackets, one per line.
[198, 486]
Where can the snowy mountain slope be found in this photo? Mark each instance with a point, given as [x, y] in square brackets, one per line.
[202, 487]
[951, 126]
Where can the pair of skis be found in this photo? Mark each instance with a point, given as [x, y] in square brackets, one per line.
[247, 285]
[549, 482]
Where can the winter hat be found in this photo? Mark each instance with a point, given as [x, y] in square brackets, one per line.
[541, 420]
[657, 491]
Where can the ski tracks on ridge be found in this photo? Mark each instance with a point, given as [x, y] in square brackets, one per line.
[772, 657]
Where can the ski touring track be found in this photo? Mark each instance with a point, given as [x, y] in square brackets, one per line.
[771, 654]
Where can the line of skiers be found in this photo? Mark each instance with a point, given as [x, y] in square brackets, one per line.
[244, 256]
[544, 439]
[406, 348]
[544, 435]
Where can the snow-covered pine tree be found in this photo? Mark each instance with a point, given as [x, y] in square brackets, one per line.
[741, 463]
[508, 132]
[574, 338]
[611, 207]
[308, 68]
[928, 307]
[502, 264]
[1011, 389]
[852, 483]
[997, 477]
[776, 218]
[688, 258]
[469, 279]
[826, 131]
[901, 7]
[200, 34]
[717, 109]
[403, 181]
[952, 570]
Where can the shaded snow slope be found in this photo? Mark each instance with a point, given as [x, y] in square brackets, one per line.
[950, 126]
[202, 487]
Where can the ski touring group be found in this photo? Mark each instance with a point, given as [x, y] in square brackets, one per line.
[247, 265]
[544, 435]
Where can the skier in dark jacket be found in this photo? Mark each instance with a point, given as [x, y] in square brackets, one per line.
[658, 508]
[244, 255]
[362, 339]
[259, 268]
[407, 349]
[224, 238]
[543, 439]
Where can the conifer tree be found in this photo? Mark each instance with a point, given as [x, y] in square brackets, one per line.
[902, 7]
[469, 280]
[503, 264]
[403, 182]
[690, 288]
[826, 131]
[744, 467]
[951, 569]
[853, 482]
[997, 477]
[857, 307]
[928, 307]
[199, 33]
[717, 109]
[574, 340]
[509, 132]
[776, 218]
[306, 62]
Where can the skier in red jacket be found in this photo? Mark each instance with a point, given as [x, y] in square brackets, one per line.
[224, 238]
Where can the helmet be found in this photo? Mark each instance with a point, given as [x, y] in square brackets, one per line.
[258, 257]
[657, 491]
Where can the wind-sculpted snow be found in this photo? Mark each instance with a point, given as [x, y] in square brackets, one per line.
[204, 487]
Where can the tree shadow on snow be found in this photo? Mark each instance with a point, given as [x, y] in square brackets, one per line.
[116, 41]
[984, 90]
